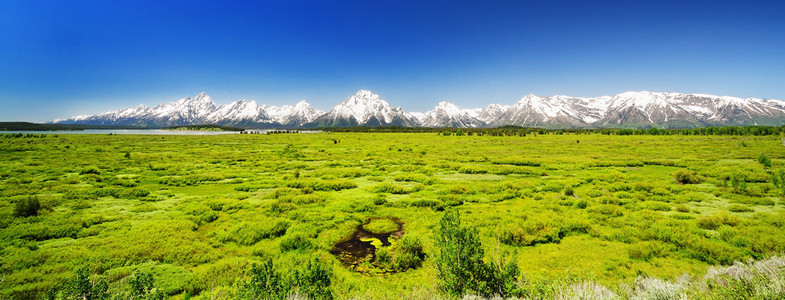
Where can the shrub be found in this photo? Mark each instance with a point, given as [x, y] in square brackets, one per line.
[434, 204]
[460, 264]
[739, 208]
[395, 189]
[27, 207]
[314, 282]
[686, 177]
[646, 250]
[765, 161]
[530, 233]
[569, 191]
[582, 204]
[296, 241]
[81, 286]
[451, 200]
[410, 253]
[265, 283]
[143, 287]
[714, 221]
[90, 170]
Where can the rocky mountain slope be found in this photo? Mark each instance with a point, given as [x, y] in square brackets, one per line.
[625, 110]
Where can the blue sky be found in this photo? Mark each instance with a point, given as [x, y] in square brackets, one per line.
[63, 58]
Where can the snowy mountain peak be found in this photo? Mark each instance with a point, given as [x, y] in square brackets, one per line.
[446, 114]
[366, 109]
[634, 109]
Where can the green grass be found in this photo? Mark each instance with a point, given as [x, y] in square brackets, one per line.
[381, 226]
[197, 211]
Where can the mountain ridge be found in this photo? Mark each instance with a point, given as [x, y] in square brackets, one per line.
[641, 109]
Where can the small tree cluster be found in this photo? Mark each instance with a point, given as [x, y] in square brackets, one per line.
[81, 286]
[267, 283]
[461, 267]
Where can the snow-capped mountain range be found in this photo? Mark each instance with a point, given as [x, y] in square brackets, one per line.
[626, 110]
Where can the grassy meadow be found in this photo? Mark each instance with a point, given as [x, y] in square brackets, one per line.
[197, 212]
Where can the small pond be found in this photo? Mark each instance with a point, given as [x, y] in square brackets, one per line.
[359, 252]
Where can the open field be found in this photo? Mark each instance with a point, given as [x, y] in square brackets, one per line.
[197, 211]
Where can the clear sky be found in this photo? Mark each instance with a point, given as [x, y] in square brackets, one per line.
[64, 58]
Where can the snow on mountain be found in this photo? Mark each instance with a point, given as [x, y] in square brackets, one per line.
[626, 110]
[491, 113]
[297, 115]
[239, 113]
[365, 109]
[556, 111]
[446, 114]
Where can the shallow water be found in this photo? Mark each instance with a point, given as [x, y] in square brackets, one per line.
[359, 248]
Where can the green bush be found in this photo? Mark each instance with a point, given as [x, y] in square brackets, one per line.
[27, 207]
[714, 221]
[266, 282]
[81, 286]
[410, 254]
[569, 191]
[740, 208]
[531, 232]
[765, 161]
[582, 204]
[460, 265]
[686, 177]
[296, 241]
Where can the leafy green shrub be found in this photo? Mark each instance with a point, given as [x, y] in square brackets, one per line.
[686, 177]
[27, 207]
[765, 161]
[714, 221]
[81, 286]
[531, 232]
[460, 265]
[434, 204]
[266, 282]
[296, 241]
[569, 191]
[379, 200]
[647, 250]
[472, 170]
[383, 256]
[740, 208]
[249, 233]
[451, 200]
[143, 287]
[323, 185]
[410, 254]
[314, 281]
[395, 189]
[582, 204]
[607, 209]
[280, 207]
[658, 206]
[90, 170]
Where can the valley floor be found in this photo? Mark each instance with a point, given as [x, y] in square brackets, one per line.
[197, 211]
